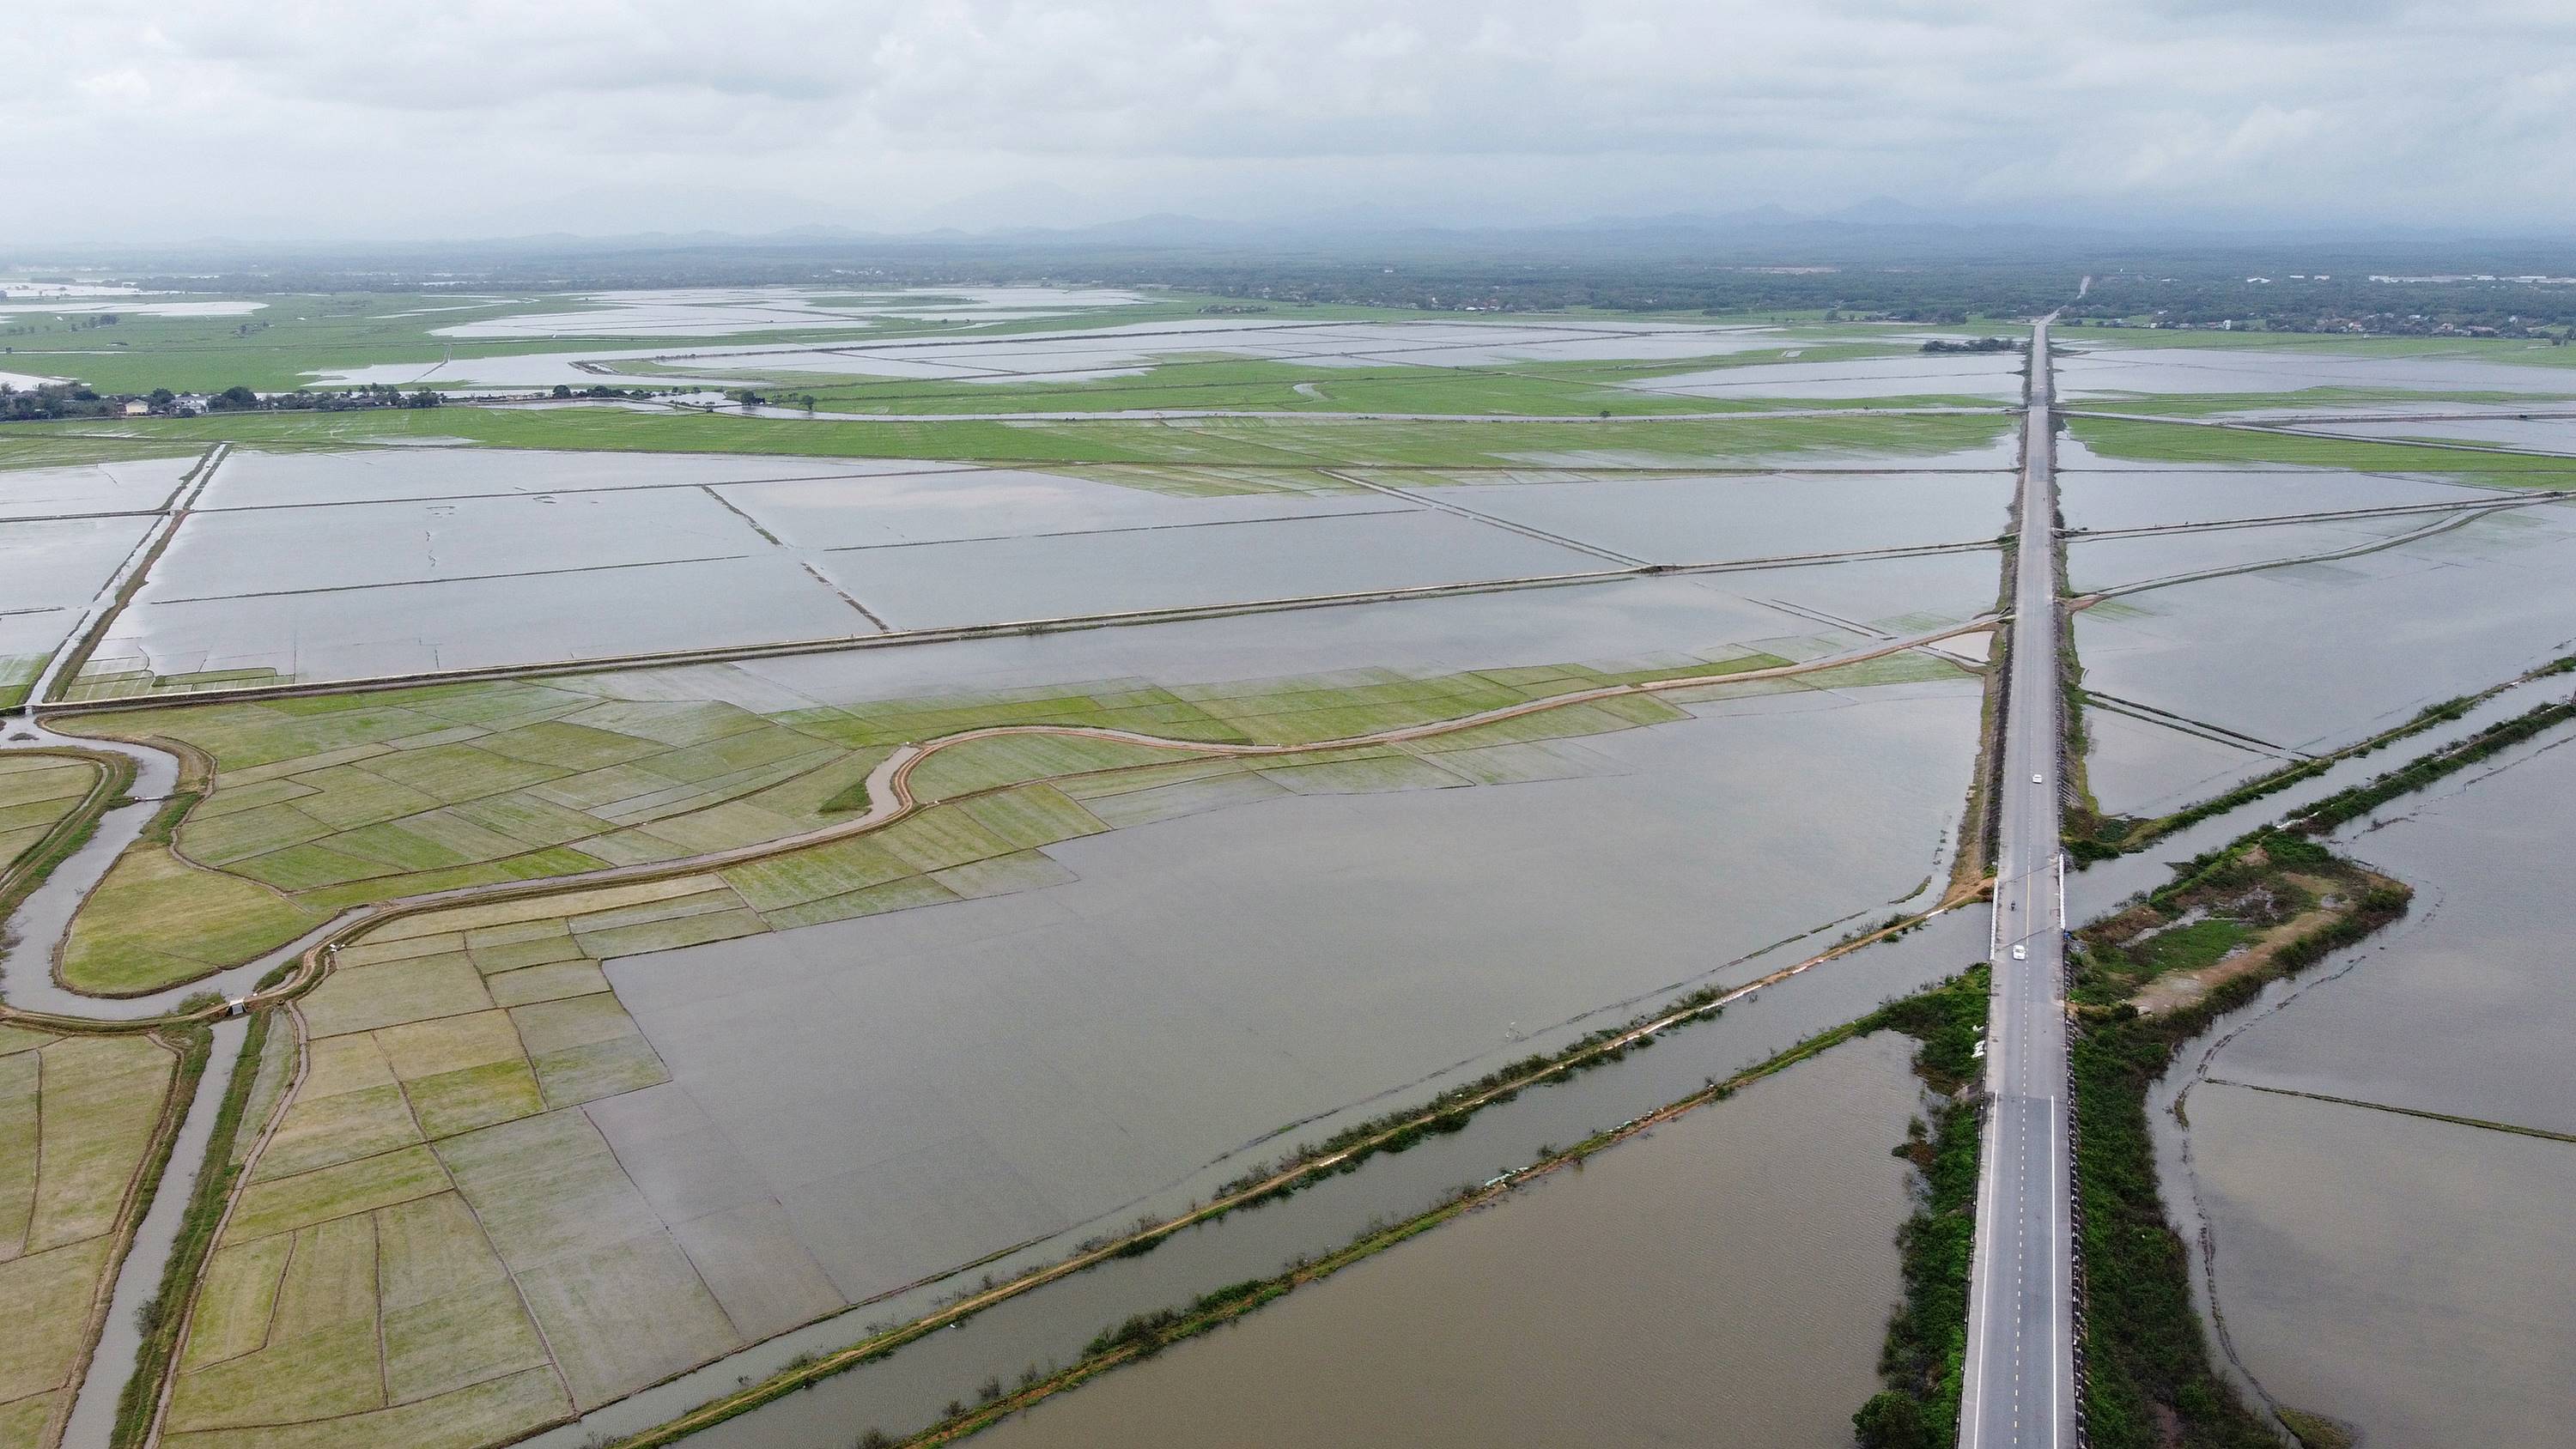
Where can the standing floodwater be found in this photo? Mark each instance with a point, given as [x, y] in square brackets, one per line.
[1724, 1281]
[2407, 1275]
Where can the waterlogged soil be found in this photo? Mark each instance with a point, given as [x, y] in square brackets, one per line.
[2095, 500]
[2409, 1275]
[1757, 1234]
[923, 1087]
[1689, 520]
[2319, 654]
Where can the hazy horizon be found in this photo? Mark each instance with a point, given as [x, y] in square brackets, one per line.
[143, 125]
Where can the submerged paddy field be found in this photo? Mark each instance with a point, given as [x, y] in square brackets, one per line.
[731, 880]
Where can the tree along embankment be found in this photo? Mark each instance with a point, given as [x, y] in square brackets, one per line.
[1924, 1359]
[2091, 836]
[2268, 905]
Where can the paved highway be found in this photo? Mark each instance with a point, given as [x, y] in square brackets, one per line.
[2020, 1381]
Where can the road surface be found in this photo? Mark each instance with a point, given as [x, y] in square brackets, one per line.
[2020, 1381]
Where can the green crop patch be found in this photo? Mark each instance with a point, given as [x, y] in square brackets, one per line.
[320, 1132]
[156, 921]
[283, 1204]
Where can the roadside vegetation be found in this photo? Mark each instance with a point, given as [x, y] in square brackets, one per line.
[1924, 1359]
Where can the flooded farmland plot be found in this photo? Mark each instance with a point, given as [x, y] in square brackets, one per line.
[2096, 370]
[2312, 655]
[2126, 561]
[1757, 1234]
[1686, 520]
[2406, 1274]
[2146, 767]
[62, 563]
[1050, 1326]
[2536, 435]
[254, 479]
[1995, 377]
[143, 486]
[302, 567]
[2094, 500]
[1157, 998]
[990, 581]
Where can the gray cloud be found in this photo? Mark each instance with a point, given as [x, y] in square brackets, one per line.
[316, 120]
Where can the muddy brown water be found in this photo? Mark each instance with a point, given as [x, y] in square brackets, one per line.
[2408, 1276]
[1721, 1281]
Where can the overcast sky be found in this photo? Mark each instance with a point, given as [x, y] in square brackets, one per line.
[178, 121]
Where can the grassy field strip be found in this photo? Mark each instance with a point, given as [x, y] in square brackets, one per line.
[83, 1121]
[1313, 1169]
[2479, 1122]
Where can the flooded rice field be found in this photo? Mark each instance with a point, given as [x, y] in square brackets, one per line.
[375, 563]
[395, 629]
[1720, 1281]
[2404, 1274]
[954, 505]
[1994, 376]
[2142, 498]
[252, 479]
[2096, 369]
[136, 487]
[2146, 767]
[1628, 623]
[719, 311]
[2318, 654]
[2108, 563]
[1050, 1326]
[988, 581]
[1685, 520]
[921, 1088]
[2535, 435]
[61, 563]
